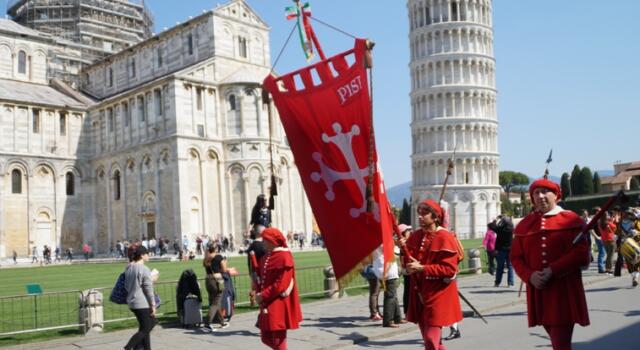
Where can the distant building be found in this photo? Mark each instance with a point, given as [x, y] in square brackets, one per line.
[166, 138]
[621, 180]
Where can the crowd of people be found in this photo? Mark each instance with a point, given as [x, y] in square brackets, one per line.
[616, 237]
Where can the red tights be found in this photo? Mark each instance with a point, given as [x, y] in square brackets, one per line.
[431, 336]
[276, 340]
[560, 336]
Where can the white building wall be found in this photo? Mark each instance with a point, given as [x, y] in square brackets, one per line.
[164, 131]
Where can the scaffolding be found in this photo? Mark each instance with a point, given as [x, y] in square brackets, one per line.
[99, 27]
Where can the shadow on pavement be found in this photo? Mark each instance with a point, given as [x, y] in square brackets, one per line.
[632, 313]
[506, 314]
[608, 289]
[338, 322]
[505, 291]
[391, 343]
[624, 338]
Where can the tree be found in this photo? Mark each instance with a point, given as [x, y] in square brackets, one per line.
[405, 213]
[634, 185]
[586, 181]
[509, 179]
[565, 185]
[575, 180]
[597, 184]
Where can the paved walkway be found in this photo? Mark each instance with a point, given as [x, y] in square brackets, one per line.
[328, 324]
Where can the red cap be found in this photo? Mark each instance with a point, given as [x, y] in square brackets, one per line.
[435, 206]
[548, 184]
[274, 236]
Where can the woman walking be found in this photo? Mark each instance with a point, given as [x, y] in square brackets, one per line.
[215, 265]
[140, 298]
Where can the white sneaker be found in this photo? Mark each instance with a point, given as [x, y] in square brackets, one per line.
[210, 328]
[224, 325]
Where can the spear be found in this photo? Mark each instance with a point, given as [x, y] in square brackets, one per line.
[442, 192]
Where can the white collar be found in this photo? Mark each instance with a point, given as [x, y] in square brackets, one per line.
[280, 249]
[555, 211]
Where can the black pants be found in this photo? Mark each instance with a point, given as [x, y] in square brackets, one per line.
[405, 293]
[391, 307]
[142, 338]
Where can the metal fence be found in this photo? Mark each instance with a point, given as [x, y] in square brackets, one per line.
[59, 310]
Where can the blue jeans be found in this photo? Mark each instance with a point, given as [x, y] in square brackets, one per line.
[503, 257]
[601, 254]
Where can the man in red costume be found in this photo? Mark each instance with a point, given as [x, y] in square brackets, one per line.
[278, 293]
[433, 300]
[544, 256]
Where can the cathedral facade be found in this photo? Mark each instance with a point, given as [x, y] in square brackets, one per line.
[454, 115]
[164, 139]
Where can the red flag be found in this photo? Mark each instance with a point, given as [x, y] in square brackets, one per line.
[328, 125]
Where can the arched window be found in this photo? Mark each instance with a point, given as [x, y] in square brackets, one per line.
[70, 182]
[242, 47]
[22, 62]
[116, 185]
[232, 102]
[16, 181]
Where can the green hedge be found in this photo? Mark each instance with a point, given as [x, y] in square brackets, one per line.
[578, 203]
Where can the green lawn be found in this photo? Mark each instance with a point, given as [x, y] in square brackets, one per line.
[62, 283]
[56, 278]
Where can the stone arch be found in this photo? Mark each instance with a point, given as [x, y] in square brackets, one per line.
[6, 61]
[148, 203]
[44, 167]
[213, 153]
[130, 165]
[235, 167]
[146, 163]
[165, 156]
[47, 164]
[18, 164]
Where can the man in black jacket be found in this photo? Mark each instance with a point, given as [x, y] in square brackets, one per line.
[503, 227]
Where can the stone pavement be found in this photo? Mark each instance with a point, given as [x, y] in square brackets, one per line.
[327, 324]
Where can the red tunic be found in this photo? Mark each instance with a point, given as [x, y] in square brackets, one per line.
[542, 241]
[433, 298]
[278, 310]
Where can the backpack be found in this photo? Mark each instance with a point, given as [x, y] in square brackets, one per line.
[119, 291]
[367, 273]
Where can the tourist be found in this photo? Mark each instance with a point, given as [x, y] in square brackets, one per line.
[391, 315]
[34, 254]
[504, 234]
[607, 233]
[489, 244]
[86, 250]
[405, 231]
[374, 292]
[547, 260]
[215, 265]
[433, 302]
[278, 293]
[140, 298]
[256, 247]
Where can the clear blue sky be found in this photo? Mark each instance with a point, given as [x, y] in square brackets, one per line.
[567, 74]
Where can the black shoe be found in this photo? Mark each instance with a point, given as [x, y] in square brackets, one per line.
[454, 335]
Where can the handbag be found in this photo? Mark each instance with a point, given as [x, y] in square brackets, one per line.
[119, 291]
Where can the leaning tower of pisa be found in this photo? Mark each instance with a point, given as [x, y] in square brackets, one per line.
[453, 102]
